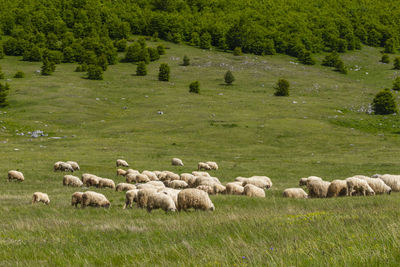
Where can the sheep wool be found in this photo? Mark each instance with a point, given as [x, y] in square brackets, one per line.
[194, 198]
[71, 180]
[234, 189]
[15, 175]
[130, 197]
[393, 181]
[40, 197]
[295, 193]
[76, 199]
[151, 175]
[121, 172]
[160, 201]
[104, 182]
[176, 162]
[203, 166]
[337, 188]
[213, 165]
[317, 188]
[173, 193]
[124, 187]
[74, 165]
[377, 185]
[90, 198]
[251, 190]
[177, 184]
[121, 162]
[356, 186]
[143, 196]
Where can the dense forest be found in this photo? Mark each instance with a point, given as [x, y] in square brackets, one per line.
[82, 30]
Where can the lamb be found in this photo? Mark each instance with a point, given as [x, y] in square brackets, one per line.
[337, 188]
[72, 181]
[251, 190]
[259, 182]
[317, 188]
[124, 187]
[197, 173]
[303, 181]
[151, 175]
[143, 196]
[203, 166]
[74, 165]
[40, 197]
[213, 165]
[121, 172]
[194, 198]
[104, 182]
[357, 186]
[234, 189]
[377, 185]
[295, 193]
[173, 193]
[391, 180]
[15, 175]
[177, 184]
[76, 199]
[90, 198]
[130, 197]
[121, 162]
[176, 162]
[160, 201]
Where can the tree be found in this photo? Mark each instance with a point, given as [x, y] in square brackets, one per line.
[95, 72]
[340, 67]
[237, 51]
[102, 62]
[1, 51]
[69, 56]
[142, 42]
[48, 67]
[120, 45]
[141, 69]
[384, 103]
[331, 60]
[195, 39]
[4, 89]
[391, 46]
[1, 74]
[305, 58]
[163, 74]
[133, 53]
[153, 53]
[385, 59]
[161, 49]
[186, 60]
[282, 88]
[205, 41]
[194, 87]
[396, 84]
[396, 63]
[229, 78]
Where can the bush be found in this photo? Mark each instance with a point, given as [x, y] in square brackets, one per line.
[133, 53]
[186, 60]
[102, 62]
[237, 51]
[385, 59]
[396, 84]
[396, 63]
[142, 42]
[229, 78]
[194, 87]
[4, 89]
[305, 58]
[1, 74]
[95, 72]
[163, 74]
[141, 69]
[331, 60]
[33, 54]
[391, 46]
[81, 68]
[153, 53]
[19, 74]
[161, 49]
[205, 41]
[1, 51]
[282, 88]
[69, 55]
[48, 67]
[384, 103]
[340, 67]
[121, 45]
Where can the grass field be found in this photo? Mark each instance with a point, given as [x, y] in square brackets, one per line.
[321, 129]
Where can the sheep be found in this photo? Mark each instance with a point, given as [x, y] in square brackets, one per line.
[121, 172]
[121, 162]
[204, 181]
[141, 178]
[172, 176]
[203, 166]
[40, 197]
[234, 189]
[90, 180]
[104, 182]
[176, 162]
[63, 166]
[160, 201]
[391, 180]
[76, 199]
[74, 165]
[146, 186]
[143, 196]
[15, 175]
[219, 189]
[156, 184]
[259, 182]
[194, 198]
[132, 171]
[303, 181]
[186, 177]
[295, 193]
[124, 187]
[357, 186]
[337, 188]
[377, 184]
[90, 198]
[151, 175]
[56, 166]
[177, 184]
[213, 165]
[72, 181]
[251, 190]
[130, 177]
[317, 188]
[173, 193]
[197, 173]
[130, 197]
[206, 188]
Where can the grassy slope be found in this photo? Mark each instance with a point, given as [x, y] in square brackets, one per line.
[246, 130]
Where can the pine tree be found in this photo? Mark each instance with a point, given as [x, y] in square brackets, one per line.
[305, 58]
[194, 87]
[141, 69]
[229, 78]
[205, 41]
[95, 72]
[4, 89]
[396, 84]
[48, 67]
[186, 60]
[384, 103]
[163, 74]
[282, 88]
[161, 49]
[396, 64]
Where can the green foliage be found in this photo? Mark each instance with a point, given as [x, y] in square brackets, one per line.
[205, 41]
[121, 45]
[1, 51]
[340, 67]
[19, 74]
[186, 60]
[331, 60]
[163, 74]
[237, 51]
[396, 63]
[195, 39]
[161, 49]
[141, 69]
[306, 58]
[194, 87]
[48, 67]
[94, 72]
[384, 103]
[81, 68]
[282, 88]
[142, 42]
[2, 76]
[153, 53]
[229, 78]
[391, 46]
[4, 90]
[396, 84]
[32, 54]
[68, 55]
[385, 59]
[136, 52]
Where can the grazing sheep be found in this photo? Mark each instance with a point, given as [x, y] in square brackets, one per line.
[146, 186]
[40, 197]
[206, 188]
[251, 190]
[56, 166]
[197, 173]
[240, 179]
[141, 178]
[172, 176]
[202, 180]
[317, 188]
[177, 184]
[90, 198]
[173, 193]
[121, 162]
[74, 165]
[130, 197]
[76, 199]
[104, 182]
[219, 189]
[203, 166]
[90, 180]
[295, 193]
[151, 175]
[337, 188]
[186, 177]
[132, 171]
[156, 184]
[377, 184]
[176, 162]
[194, 198]
[130, 177]
[259, 182]
[143, 196]
[124, 187]
[234, 189]
[15, 175]
[72, 181]
[160, 201]
[121, 172]
[213, 165]
[63, 166]
[393, 181]
[86, 177]
[356, 186]
[303, 181]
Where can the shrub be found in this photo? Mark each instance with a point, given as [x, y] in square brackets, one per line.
[163, 74]
[54, 56]
[229, 78]
[396, 84]
[19, 74]
[195, 39]
[133, 53]
[141, 69]
[95, 72]
[396, 63]
[237, 51]
[81, 68]
[120, 45]
[385, 59]
[102, 62]
[48, 67]
[161, 49]
[194, 87]
[153, 53]
[186, 60]
[384, 103]
[4, 89]
[331, 60]
[1, 74]
[205, 41]
[391, 46]
[69, 55]
[282, 88]
[1, 51]
[340, 67]
[33, 54]
[305, 58]
[142, 42]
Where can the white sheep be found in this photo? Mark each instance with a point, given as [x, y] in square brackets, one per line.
[186, 177]
[130, 197]
[72, 181]
[40, 197]
[121, 172]
[203, 166]
[146, 186]
[121, 162]
[151, 175]
[76, 199]
[377, 184]
[141, 178]
[295, 193]
[124, 187]
[160, 201]
[234, 189]
[176, 162]
[63, 166]
[393, 181]
[303, 181]
[132, 171]
[143, 196]
[317, 188]
[198, 173]
[15, 175]
[337, 188]
[251, 190]
[156, 184]
[356, 186]
[173, 193]
[212, 164]
[90, 179]
[260, 181]
[104, 182]
[90, 198]
[194, 198]
[56, 166]
[206, 188]
[177, 184]
[74, 165]
[240, 179]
